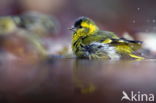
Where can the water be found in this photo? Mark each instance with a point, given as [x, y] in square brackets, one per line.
[74, 81]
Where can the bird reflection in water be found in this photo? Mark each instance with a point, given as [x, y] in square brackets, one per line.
[83, 77]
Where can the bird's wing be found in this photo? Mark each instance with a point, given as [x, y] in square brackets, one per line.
[112, 39]
[107, 34]
[99, 36]
[128, 47]
[133, 44]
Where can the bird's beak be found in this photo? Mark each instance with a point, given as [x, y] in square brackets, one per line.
[72, 29]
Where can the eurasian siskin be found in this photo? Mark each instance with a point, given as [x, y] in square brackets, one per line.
[88, 41]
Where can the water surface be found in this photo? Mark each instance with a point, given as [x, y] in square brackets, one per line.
[74, 81]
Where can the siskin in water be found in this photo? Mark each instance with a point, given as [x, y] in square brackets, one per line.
[88, 41]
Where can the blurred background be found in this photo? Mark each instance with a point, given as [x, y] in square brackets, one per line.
[119, 16]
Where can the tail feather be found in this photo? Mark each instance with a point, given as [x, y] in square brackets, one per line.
[136, 57]
[133, 41]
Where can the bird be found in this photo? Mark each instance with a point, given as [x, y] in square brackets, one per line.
[36, 22]
[89, 42]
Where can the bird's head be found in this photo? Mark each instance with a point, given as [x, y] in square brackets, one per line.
[85, 26]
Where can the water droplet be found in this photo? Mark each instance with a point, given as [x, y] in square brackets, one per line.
[134, 21]
[154, 21]
[138, 9]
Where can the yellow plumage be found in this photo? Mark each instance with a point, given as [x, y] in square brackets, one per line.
[90, 42]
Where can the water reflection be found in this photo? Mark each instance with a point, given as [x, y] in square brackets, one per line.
[82, 76]
[74, 81]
